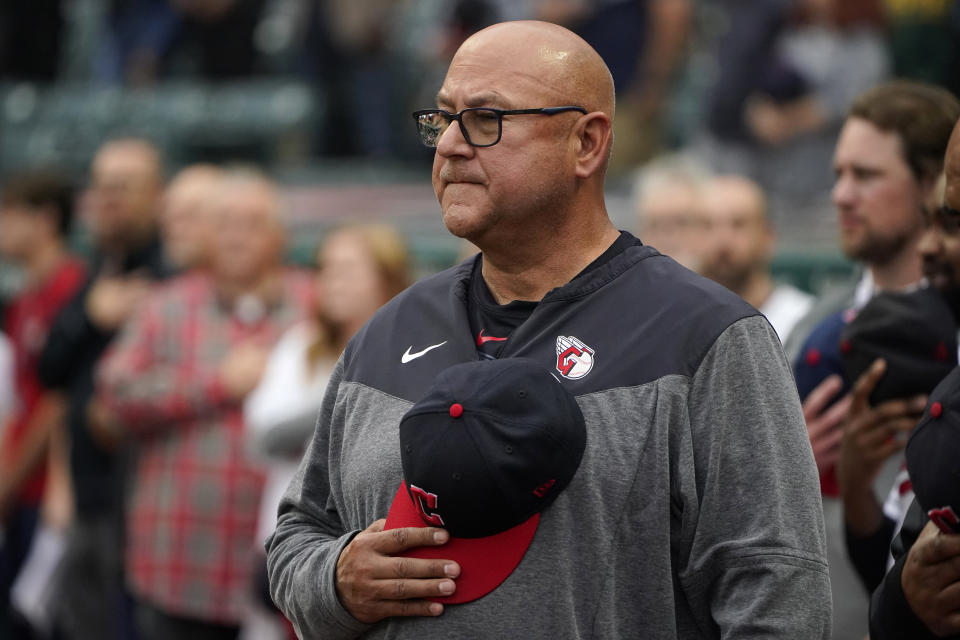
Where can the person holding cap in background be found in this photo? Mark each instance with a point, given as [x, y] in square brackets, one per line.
[920, 595]
[694, 511]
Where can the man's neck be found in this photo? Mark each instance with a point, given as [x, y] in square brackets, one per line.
[44, 260]
[904, 270]
[758, 289]
[528, 270]
[265, 286]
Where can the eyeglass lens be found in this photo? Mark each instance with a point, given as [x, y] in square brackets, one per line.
[480, 126]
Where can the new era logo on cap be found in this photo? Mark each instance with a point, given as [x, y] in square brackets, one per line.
[490, 445]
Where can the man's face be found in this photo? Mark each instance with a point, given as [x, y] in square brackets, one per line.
[124, 193]
[248, 238]
[185, 220]
[878, 199]
[940, 245]
[738, 239]
[671, 222]
[522, 177]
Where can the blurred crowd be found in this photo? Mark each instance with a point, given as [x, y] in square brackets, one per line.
[759, 87]
[162, 391]
[157, 392]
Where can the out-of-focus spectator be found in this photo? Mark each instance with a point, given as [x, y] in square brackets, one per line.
[36, 211]
[740, 242]
[787, 72]
[643, 44]
[917, 599]
[31, 34]
[185, 220]
[887, 162]
[667, 197]
[176, 381]
[361, 267]
[123, 198]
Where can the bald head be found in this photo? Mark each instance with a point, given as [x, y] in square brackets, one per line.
[545, 58]
[248, 238]
[186, 224]
[543, 176]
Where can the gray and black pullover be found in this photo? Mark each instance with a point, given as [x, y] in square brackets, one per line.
[695, 512]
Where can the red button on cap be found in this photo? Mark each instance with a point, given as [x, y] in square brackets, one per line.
[813, 357]
[456, 410]
[936, 409]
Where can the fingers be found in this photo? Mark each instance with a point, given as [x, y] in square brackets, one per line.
[948, 625]
[821, 396]
[396, 541]
[866, 383]
[412, 589]
[831, 420]
[374, 583]
[882, 432]
[939, 548]
[838, 411]
[827, 448]
[387, 544]
[409, 608]
[885, 414]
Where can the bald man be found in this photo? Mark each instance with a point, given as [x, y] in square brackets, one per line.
[186, 218]
[739, 243]
[175, 383]
[694, 512]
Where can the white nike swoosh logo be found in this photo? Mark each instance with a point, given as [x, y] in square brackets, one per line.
[407, 357]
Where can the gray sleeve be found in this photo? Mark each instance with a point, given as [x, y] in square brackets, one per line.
[757, 563]
[302, 553]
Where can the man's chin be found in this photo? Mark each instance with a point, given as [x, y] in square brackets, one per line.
[464, 222]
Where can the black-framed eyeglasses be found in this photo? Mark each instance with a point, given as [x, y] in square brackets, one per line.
[481, 126]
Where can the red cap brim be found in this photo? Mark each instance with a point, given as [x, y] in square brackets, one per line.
[484, 562]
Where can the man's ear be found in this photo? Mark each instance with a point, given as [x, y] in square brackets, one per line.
[594, 134]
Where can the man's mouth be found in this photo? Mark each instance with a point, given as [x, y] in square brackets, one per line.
[939, 277]
[849, 221]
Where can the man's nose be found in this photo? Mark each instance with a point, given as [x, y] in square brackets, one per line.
[843, 192]
[929, 244]
[452, 142]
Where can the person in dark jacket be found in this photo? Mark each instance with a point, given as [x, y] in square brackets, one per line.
[126, 185]
[918, 597]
